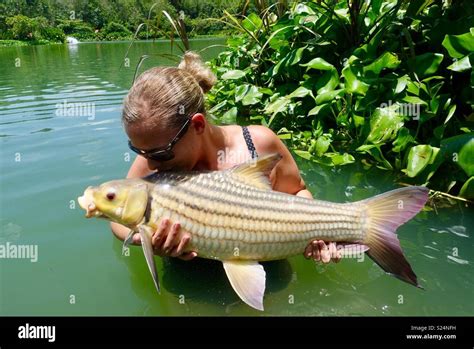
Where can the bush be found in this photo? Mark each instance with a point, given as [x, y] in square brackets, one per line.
[388, 83]
[77, 29]
[53, 34]
[205, 26]
[21, 27]
[33, 29]
[116, 31]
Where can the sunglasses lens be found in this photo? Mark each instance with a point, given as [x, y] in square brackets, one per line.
[162, 156]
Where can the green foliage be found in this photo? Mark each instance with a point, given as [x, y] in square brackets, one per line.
[388, 83]
[32, 29]
[116, 31]
[77, 28]
[91, 19]
[21, 27]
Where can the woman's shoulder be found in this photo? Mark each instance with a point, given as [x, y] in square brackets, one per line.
[264, 138]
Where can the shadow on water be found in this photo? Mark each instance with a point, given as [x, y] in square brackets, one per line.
[201, 280]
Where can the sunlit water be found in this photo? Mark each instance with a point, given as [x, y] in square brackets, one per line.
[48, 158]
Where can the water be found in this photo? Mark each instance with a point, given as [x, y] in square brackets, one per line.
[47, 159]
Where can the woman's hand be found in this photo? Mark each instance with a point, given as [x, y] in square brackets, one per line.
[320, 252]
[169, 241]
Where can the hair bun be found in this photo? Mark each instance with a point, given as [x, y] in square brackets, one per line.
[193, 64]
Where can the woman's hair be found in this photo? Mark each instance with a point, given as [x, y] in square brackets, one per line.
[169, 95]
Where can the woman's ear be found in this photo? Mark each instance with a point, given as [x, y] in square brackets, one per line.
[198, 122]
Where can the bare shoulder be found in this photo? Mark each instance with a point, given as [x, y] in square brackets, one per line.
[139, 168]
[264, 139]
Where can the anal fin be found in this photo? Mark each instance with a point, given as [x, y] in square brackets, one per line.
[248, 281]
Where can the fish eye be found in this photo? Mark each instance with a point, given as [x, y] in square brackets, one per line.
[110, 195]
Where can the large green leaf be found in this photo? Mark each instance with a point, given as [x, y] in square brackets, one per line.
[352, 83]
[376, 153]
[459, 46]
[419, 157]
[233, 74]
[322, 144]
[404, 138]
[467, 190]
[386, 60]
[300, 92]
[252, 23]
[277, 106]
[319, 64]
[253, 96]
[329, 80]
[241, 91]
[426, 64]
[230, 116]
[384, 124]
[402, 82]
[466, 157]
[328, 96]
[294, 57]
[463, 64]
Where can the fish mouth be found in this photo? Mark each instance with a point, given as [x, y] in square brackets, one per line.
[86, 202]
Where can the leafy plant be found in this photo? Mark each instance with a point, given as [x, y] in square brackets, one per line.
[388, 83]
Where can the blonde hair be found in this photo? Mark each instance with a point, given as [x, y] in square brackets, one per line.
[169, 95]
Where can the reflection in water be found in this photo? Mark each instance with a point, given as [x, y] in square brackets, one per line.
[200, 280]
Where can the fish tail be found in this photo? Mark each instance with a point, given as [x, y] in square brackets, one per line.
[385, 213]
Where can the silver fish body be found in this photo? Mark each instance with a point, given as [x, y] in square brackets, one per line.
[234, 216]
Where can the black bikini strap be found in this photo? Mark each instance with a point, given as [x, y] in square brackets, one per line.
[248, 140]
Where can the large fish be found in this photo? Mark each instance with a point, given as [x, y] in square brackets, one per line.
[234, 216]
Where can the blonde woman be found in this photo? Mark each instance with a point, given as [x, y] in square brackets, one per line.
[165, 120]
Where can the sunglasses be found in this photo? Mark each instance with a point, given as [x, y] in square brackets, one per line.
[162, 154]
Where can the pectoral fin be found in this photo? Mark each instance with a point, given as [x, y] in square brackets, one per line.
[248, 280]
[145, 235]
[129, 239]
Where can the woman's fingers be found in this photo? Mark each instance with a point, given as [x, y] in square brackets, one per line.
[316, 250]
[160, 232]
[325, 254]
[136, 239]
[181, 246]
[172, 238]
[188, 256]
[336, 254]
[308, 252]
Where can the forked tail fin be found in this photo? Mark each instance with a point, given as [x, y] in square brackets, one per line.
[385, 213]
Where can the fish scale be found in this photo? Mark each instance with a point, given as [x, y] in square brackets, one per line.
[222, 221]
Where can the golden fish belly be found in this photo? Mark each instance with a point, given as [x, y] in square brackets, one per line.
[229, 220]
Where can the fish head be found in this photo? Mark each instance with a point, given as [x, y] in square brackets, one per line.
[121, 201]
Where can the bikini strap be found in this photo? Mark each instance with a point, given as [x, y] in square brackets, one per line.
[248, 140]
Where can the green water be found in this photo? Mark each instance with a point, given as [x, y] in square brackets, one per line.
[47, 160]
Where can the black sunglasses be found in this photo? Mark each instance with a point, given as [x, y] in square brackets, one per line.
[162, 154]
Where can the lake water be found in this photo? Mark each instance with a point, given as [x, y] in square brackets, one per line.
[47, 159]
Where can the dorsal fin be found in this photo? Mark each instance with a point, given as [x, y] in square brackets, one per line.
[256, 172]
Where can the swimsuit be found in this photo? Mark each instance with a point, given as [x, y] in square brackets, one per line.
[248, 140]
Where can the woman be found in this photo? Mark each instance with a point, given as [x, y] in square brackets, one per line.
[164, 118]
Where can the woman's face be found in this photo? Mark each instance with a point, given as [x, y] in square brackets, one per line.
[185, 150]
